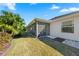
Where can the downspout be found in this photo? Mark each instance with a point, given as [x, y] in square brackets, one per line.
[36, 29]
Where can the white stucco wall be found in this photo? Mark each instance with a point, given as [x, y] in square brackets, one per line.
[55, 28]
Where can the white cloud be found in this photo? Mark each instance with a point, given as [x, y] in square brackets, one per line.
[10, 6]
[54, 7]
[69, 9]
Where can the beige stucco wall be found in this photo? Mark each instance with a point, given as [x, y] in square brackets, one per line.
[55, 28]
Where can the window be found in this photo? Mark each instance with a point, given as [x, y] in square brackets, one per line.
[68, 27]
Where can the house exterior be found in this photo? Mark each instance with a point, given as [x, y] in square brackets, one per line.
[64, 26]
[39, 27]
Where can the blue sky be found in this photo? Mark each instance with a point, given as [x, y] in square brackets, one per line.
[29, 11]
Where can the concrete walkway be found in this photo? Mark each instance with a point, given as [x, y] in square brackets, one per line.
[63, 48]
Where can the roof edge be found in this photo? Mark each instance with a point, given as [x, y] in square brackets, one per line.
[64, 15]
[39, 20]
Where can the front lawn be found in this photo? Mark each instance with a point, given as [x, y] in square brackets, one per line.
[30, 47]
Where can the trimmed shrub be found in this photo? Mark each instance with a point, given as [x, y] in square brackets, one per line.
[5, 37]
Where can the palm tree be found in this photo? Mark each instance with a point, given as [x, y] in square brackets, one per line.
[11, 23]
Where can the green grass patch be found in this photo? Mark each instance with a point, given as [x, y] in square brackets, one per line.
[31, 47]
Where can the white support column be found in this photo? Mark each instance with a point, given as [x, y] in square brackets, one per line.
[36, 29]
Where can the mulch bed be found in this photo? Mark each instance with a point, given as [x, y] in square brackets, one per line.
[6, 46]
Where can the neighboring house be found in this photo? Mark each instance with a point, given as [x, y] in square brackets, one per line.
[64, 26]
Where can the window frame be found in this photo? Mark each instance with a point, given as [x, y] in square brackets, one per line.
[66, 28]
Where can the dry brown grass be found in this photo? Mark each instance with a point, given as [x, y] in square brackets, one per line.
[31, 47]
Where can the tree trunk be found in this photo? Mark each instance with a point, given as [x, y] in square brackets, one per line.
[3, 30]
